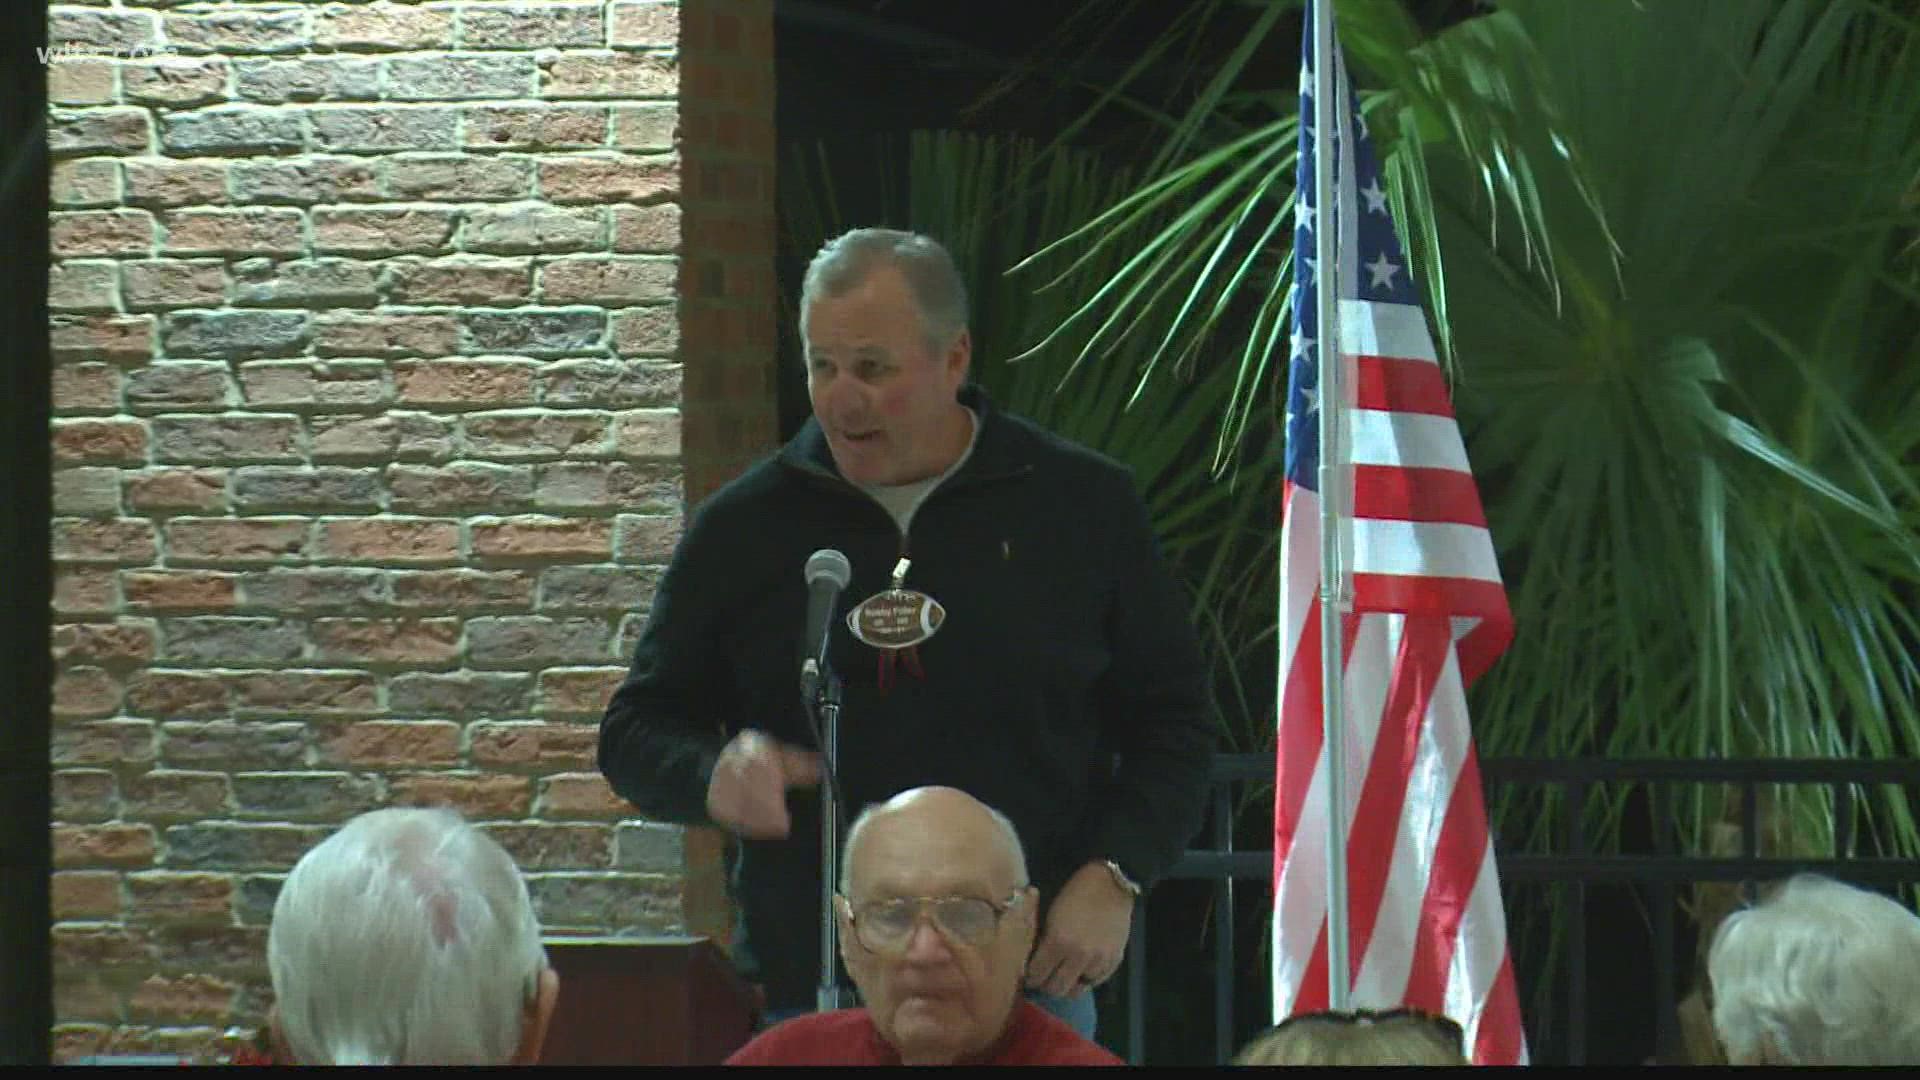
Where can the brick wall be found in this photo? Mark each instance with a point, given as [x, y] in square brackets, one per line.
[375, 416]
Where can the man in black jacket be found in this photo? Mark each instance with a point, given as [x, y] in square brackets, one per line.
[1010, 630]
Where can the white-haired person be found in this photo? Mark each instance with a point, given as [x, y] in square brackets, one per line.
[1818, 973]
[407, 938]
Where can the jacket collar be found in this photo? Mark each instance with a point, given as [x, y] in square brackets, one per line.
[1003, 448]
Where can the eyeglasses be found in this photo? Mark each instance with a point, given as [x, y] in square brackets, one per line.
[886, 926]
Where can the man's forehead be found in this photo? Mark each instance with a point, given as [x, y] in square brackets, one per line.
[915, 856]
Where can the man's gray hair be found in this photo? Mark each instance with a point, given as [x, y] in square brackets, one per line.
[845, 261]
[1008, 833]
[406, 938]
[1818, 973]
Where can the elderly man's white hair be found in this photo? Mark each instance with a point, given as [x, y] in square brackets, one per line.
[1818, 973]
[1011, 836]
[405, 938]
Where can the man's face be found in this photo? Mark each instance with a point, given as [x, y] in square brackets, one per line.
[934, 998]
[882, 394]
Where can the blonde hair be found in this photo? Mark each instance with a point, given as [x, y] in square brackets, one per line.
[1363, 1037]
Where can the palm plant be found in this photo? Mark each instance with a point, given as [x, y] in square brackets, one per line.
[1668, 251]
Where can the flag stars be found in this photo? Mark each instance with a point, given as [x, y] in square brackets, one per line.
[1376, 198]
[1302, 344]
[1382, 271]
[1303, 215]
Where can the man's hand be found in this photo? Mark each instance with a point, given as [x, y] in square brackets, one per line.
[748, 793]
[1085, 935]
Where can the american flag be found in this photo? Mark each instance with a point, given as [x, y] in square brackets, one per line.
[1428, 614]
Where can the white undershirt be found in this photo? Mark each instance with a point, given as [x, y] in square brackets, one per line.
[903, 500]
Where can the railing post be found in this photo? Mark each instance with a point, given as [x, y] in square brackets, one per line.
[1137, 986]
[1223, 966]
[1577, 945]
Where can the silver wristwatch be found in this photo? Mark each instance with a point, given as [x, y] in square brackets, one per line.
[1121, 879]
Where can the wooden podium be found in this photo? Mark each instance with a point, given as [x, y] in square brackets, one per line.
[646, 1001]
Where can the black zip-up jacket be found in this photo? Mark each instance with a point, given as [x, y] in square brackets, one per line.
[1065, 687]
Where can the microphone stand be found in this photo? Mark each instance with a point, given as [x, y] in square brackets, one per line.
[822, 693]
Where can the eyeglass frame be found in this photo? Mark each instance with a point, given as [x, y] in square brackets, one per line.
[923, 904]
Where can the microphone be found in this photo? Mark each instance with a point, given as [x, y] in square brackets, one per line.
[828, 572]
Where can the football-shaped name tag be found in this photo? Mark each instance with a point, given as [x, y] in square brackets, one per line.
[896, 619]
[894, 622]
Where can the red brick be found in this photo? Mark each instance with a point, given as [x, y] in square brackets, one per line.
[85, 691]
[578, 691]
[647, 538]
[383, 27]
[116, 643]
[652, 126]
[166, 183]
[597, 280]
[381, 230]
[581, 796]
[175, 81]
[86, 388]
[407, 436]
[182, 999]
[534, 537]
[459, 280]
[87, 182]
[647, 228]
[457, 177]
[385, 334]
[83, 795]
[463, 590]
[178, 795]
[166, 896]
[306, 692]
[77, 80]
[236, 30]
[168, 694]
[114, 338]
[102, 845]
[86, 894]
[650, 25]
[608, 75]
[646, 331]
[468, 485]
[512, 435]
[555, 847]
[177, 489]
[295, 383]
[79, 233]
[173, 283]
[103, 541]
[94, 442]
[394, 742]
[226, 438]
[648, 433]
[234, 540]
[480, 383]
[535, 127]
[77, 285]
[178, 590]
[390, 540]
[404, 641]
[79, 590]
[208, 946]
[478, 797]
[251, 231]
[86, 947]
[625, 178]
[103, 742]
[536, 745]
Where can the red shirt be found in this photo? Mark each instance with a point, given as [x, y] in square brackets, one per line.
[848, 1037]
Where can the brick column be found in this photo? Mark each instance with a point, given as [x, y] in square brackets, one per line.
[371, 438]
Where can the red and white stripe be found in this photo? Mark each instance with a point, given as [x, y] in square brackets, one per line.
[1429, 614]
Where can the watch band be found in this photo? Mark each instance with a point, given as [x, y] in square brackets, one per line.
[1121, 879]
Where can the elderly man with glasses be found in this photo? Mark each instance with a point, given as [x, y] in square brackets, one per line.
[936, 920]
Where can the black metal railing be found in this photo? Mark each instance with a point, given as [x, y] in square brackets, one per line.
[1663, 872]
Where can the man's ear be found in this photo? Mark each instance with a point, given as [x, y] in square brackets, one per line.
[959, 358]
[533, 1022]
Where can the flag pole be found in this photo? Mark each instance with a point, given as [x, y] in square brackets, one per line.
[1328, 138]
